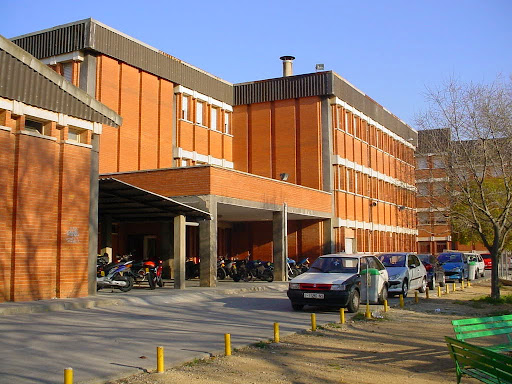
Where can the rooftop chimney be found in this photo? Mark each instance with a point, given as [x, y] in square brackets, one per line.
[287, 65]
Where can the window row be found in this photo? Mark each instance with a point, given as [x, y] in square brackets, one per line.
[43, 128]
[427, 218]
[354, 125]
[436, 189]
[435, 162]
[207, 115]
[350, 180]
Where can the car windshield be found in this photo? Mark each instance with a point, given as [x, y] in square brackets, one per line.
[424, 258]
[335, 265]
[450, 258]
[392, 260]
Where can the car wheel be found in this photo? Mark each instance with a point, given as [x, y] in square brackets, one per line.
[405, 288]
[297, 307]
[383, 295]
[353, 301]
[432, 284]
[423, 286]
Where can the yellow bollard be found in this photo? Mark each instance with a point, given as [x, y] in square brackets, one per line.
[427, 293]
[438, 291]
[313, 322]
[401, 301]
[227, 342]
[367, 314]
[160, 360]
[454, 286]
[386, 308]
[462, 285]
[342, 315]
[68, 376]
[276, 332]
[447, 288]
[416, 297]
[469, 284]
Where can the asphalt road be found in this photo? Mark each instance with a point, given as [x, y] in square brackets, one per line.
[110, 342]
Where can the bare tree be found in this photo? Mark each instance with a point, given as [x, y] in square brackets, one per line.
[472, 132]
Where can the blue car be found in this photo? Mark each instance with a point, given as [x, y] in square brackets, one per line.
[455, 265]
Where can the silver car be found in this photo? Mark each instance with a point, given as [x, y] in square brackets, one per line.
[405, 272]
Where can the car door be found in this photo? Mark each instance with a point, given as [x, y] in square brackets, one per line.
[415, 273]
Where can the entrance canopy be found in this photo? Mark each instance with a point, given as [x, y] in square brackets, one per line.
[125, 202]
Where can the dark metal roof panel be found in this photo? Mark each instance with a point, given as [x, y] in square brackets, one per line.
[91, 34]
[125, 202]
[25, 79]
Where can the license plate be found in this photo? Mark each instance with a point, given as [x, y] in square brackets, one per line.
[147, 270]
[313, 295]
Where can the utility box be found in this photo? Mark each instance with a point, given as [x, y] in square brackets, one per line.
[472, 270]
[370, 286]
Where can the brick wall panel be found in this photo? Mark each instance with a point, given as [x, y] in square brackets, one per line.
[166, 115]
[149, 121]
[285, 129]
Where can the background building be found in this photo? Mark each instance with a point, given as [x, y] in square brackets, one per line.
[297, 165]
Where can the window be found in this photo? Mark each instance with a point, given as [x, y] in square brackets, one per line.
[226, 123]
[213, 119]
[346, 122]
[439, 188]
[184, 107]
[421, 163]
[67, 71]
[438, 162]
[34, 126]
[74, 135]
[354, 124]
[199, 113]
[423, 218]
[440, 218]
[422, 189]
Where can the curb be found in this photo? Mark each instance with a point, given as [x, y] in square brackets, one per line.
[179, 296]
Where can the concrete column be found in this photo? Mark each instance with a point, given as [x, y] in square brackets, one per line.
[166, 249]
[106, 236]
[179, 252]
[93, 215]
[208, 246]
[328, 237]
[280, 249]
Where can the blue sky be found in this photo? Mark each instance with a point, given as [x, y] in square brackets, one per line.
[391, 50]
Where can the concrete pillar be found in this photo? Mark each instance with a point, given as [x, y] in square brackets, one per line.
[93, 215]
[280, 249]
[106, 236]
[208, 246]
[179, 252]
[328, 237]
[166, 249]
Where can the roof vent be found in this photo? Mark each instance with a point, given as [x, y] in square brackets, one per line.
[287, 65]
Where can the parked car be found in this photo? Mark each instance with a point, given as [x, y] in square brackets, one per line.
[480, 264]
[487, 260]
[455, 265]
[435, 273]
[335, 280]
[405, 272]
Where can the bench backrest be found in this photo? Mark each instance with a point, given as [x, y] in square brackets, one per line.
[468, 356]
[482, 326]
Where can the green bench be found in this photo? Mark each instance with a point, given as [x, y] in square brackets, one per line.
[481, 363]
[485, 326]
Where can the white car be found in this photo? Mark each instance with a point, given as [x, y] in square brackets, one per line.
[480, 265]
[405, 271]
[335, 280]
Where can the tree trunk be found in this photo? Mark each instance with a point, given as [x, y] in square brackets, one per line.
[495, 288]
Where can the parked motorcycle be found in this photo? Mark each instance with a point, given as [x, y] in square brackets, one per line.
[257, 269]
[113, 275]
[147, 271]
[191, 269]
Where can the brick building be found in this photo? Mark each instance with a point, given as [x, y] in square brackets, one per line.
[48, 130]
[297, 165]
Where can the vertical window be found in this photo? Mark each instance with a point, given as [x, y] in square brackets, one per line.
[67, 71]
[421, 163]
[346, 122]
[348, 184]
[356, 183]
[213, 119]
[227, 128]
[354, 124]
[184, 107]
[199, 113]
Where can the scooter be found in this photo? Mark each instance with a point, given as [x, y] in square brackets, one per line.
[113, 275]
[149, 271]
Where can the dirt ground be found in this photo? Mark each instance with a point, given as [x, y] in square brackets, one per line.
[405, 346]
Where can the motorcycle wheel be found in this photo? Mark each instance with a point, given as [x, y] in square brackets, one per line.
[236, 277]
[267, 275]
[151, 280]
[159, 281]
[221, 274]
[129, 283]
